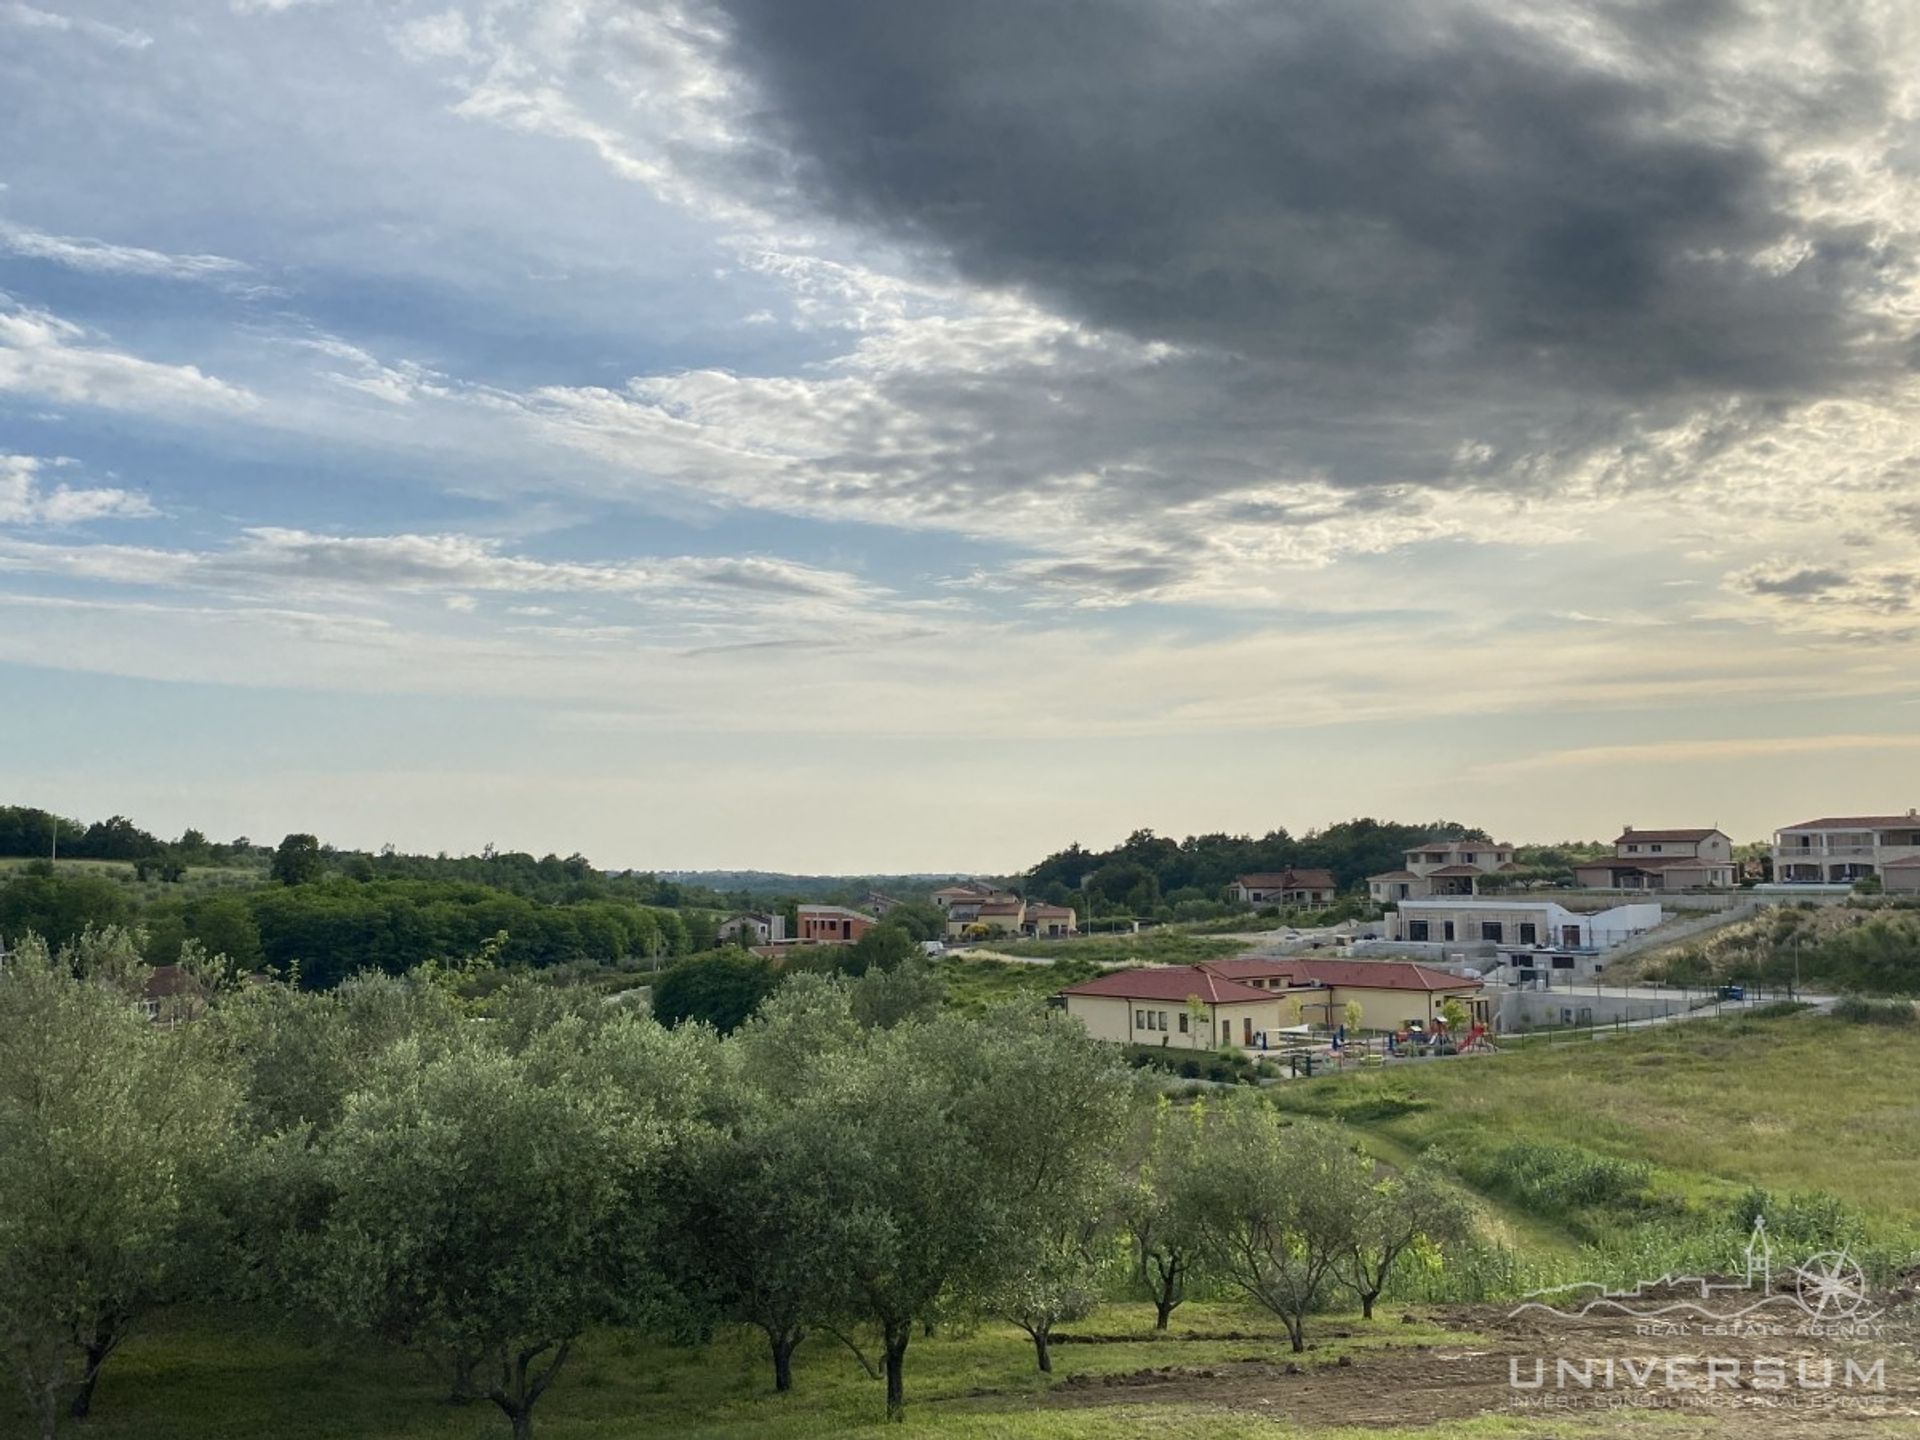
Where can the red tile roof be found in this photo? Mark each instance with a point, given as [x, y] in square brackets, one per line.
[1394, 875]
[1252, 967]
[1382, 975]
[1448, 871]
[1661, 837]
[1170, 982]
[1904, 863]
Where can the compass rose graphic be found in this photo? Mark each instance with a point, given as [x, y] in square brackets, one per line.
[1830, 1286]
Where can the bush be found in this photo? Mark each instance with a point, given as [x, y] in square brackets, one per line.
[1858, 1010]
[1553, 1179]
[1817, 1219]
[1381, 1104]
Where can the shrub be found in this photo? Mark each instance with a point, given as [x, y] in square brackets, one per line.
[1382, 1104]
[1553, 1179]
[1858, 1010]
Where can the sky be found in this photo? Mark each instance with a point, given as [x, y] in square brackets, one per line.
[840, 435]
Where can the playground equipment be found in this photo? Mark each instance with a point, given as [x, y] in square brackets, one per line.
[1478, 1043]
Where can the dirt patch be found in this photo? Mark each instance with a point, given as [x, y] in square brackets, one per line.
[1492, 1367]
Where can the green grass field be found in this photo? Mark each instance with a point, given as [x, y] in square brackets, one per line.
[1150, 947]
[199, 879]
[203, 1377]
[1793, 1105]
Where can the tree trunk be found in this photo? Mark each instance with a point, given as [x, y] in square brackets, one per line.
[518, 1389]
[1042, 1340]
[1366, 1303]
[464, 1391]
[1296, 1334]
[783, 1348]
[1168, 1293]
[83, 1397]
[106, 1339]
[896, 1374]
[1163, 1304]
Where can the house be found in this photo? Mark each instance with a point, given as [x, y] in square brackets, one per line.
[1442, 867]
[1284, 887]
[1391, 994]
[986, 915]
[754, 927]
[1186, 1006]
[1841, 849]
[1051, 921]
[968, 892]
[879, 902]
[171, 994]
[1493, 923]
[832, 924]
[1662, 860]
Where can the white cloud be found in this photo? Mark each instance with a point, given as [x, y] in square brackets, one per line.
[33, 18]
[104, 258]
[25, 500]
[43, 355]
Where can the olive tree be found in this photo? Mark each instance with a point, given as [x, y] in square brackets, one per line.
[1275, 1207]
[111, 1129]
[758, 1237]
[490, 1205]
[1049, 1108]
[1406, 1210]
[950, 1148]
[1162, 1242]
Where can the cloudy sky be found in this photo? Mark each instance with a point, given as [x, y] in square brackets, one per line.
[845, 434]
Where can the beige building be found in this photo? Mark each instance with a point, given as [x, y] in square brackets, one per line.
[1180, 1006]
[1392, 994]
[1442, 867]
[1285, 887]
[1662, 860]
[1236, 1002]
[1842, 849]
[1051, 921]
[969, 892]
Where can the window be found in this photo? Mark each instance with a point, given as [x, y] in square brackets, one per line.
[1416, 930]
[1446, 930]
[1529, 935]
[1163, 1019]
[1492, 930]
[1226, 1032]
[1633, 849]
[1139, 1019]
[1183, 1022]
[1656, 849]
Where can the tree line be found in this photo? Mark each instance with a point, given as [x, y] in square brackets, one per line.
[324, 931]
[486, 1182]
[1147, 871]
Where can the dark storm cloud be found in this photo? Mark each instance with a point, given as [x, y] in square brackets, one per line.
[1376, 207]
[1801, 582]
